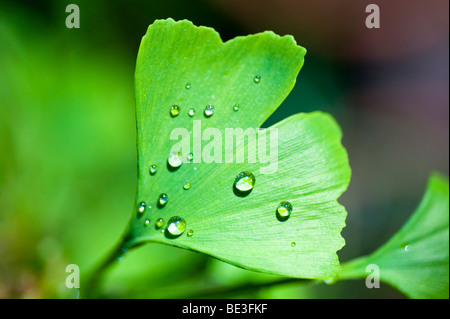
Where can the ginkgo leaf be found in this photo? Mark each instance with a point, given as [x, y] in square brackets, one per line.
[415, 259]
[190, 83]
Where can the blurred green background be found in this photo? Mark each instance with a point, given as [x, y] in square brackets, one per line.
[67, 134]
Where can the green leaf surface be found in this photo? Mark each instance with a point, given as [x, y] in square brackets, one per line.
[312, 168]
[415, 259]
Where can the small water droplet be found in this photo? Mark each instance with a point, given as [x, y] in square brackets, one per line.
[209, 110]
[236, 107]
[174, 110]
[175, 160]
[293, 244]
[405, 247]
[163, 199]
[188, 85]
[190, 157]
[176, 226]
[191, 112]
[283, 211]
[141, 208]
[153, 169]
[190, 233]
[159, 223]
[162, 231]
[257, 78]
[244, 182]
[147, 222]
[187, 185]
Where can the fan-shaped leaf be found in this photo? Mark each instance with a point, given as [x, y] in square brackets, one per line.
[182, 67]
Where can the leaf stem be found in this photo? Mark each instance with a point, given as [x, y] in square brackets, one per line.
[91, 286]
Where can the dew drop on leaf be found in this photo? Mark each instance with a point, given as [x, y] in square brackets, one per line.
[174, 110]
[147, 222]
[190, 157]
[141, 207]
[293, 244]
[191, 112]
[176, 226]
[283, 211]
[153, 169]
[163, 199]
[236, 107]
[244, 182]
[190, 233]
[187, 185]
[209, 110]
[175, 160]
[257, 78]
[159, 223]
[188, 85]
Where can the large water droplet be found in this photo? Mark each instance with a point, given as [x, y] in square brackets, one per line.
[191, 112]
[153, 169]
[163, 199]
[283, 211]
[257, 78]
[174, 110]
[176, 226]
[175, 160]
[159, 223]
[244, 183]
[236, 108]
[209, 110]
[141, 208]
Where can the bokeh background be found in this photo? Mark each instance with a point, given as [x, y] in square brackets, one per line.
[67, 134]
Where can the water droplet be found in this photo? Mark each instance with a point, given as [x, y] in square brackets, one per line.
[141, 208]
[236, 108]
[257, 78]
[283, 211]
[293, 244]
[209, 110]
[176, 226]
[244, 182]
[405, 247]
[188, 85]
[174, 110]
[159, 223]
[190, 233]
[147, 222]
[163, 199]
[187, 185]
[191, 112]
[153, 169]
[175, 160]
[190, 157]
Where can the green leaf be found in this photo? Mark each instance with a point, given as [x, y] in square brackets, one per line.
[415, 259]
[312, 170]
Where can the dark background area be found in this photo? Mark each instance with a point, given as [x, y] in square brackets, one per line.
[67, 132]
